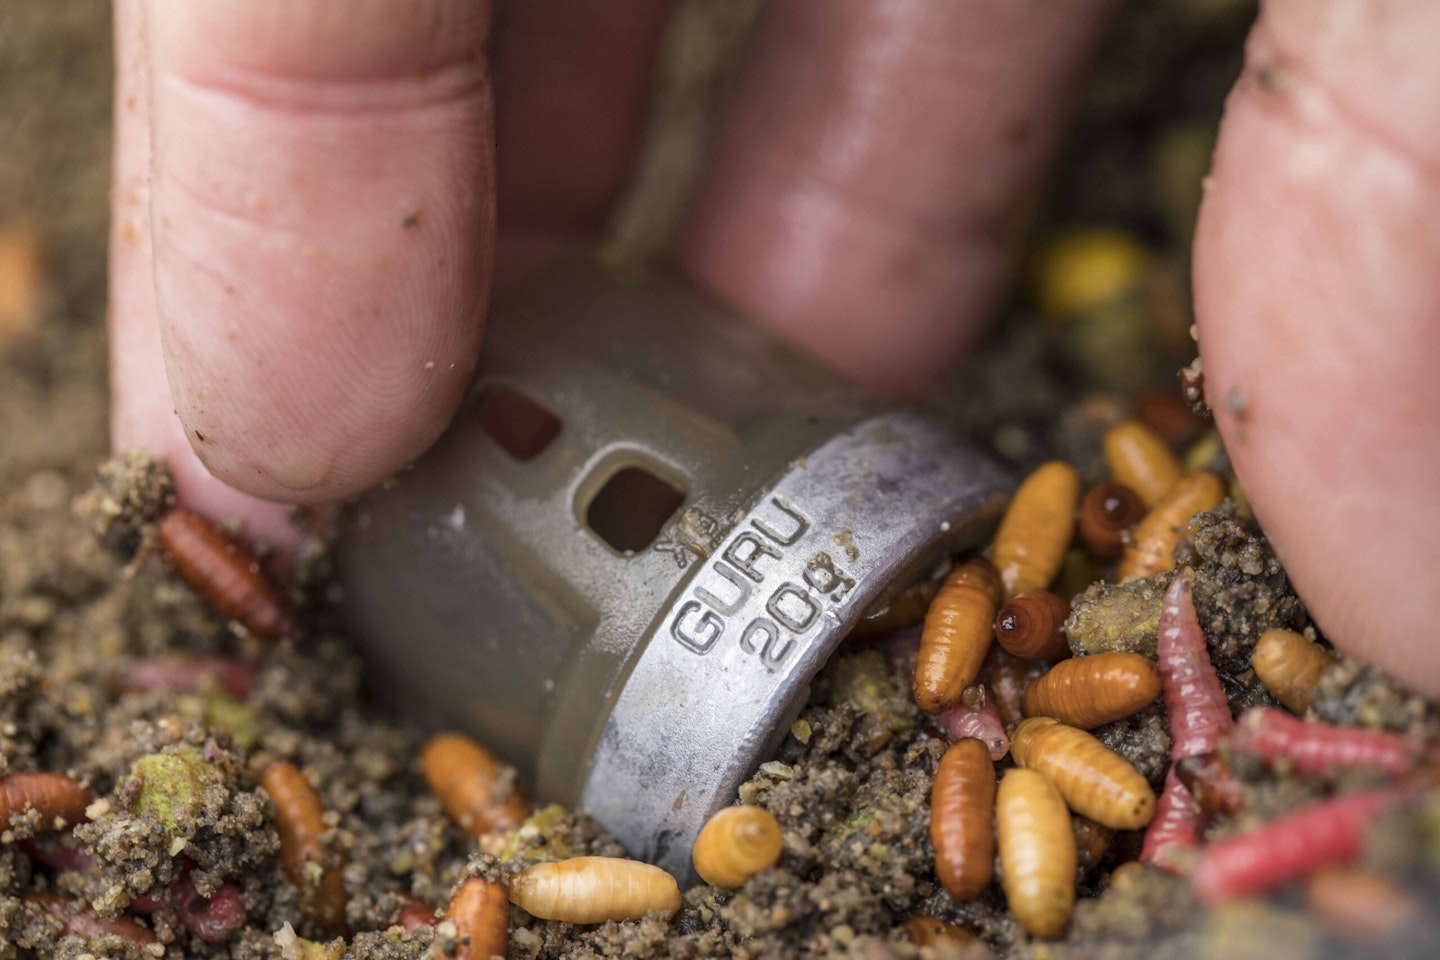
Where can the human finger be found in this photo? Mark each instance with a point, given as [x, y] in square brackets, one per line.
[876, 166]
[1315, 267]
[572, 84]
[321, 219]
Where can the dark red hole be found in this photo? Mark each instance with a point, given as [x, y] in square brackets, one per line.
[521, 426]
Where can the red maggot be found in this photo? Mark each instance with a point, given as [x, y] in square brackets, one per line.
[1317, 749]
[1195, 702]
[1175, 828]
[1322, 834]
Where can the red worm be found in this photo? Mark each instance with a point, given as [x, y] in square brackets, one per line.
[80, 921]
[1317, 749]
[1175, 828]
[56, 856]
[1194, 700]
[1320, 835]
[235, 678]
[210, 919]
[982, 723]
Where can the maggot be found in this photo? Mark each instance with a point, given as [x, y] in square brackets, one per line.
[59, 800]
[1363, 906]
[1032, 627]
[957, 635]
[594, 889]
[1095, 781]
[1089, 692]
[735, 844]
[314, 869]
[962, 804]
[1037, 528]
[1106, 513]
[227, 576]
[467, 780]
[481, 914]
[926, 931]
[1290, 666]
[1139, 459]
[1037, 852]
[1152, 543]
[1092, 842]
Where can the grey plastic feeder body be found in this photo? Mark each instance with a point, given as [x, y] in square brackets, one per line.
[645, 533]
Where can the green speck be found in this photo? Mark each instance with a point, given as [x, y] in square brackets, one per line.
[801, 731]
[842, 832]
[535, 839]
[174, 785]
[235, 718]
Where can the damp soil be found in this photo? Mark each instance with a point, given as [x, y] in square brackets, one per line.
[88, 623]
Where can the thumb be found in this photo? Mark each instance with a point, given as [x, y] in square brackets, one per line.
[1315, 275]
[320, 197]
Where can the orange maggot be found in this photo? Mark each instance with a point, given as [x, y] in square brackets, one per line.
[594, 889]
[1089, 692]
[1095, 781]
[735, 844]
[1139, 459]
[1036, 530]
[1290, 666]
[956, 636]
[1037, 852]
[962, 812]
[471, 785]
[1032, 627]
[1153, 541]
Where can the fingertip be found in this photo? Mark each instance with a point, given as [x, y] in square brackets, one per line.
[1315, 301]
[142, 419]
[322, 208]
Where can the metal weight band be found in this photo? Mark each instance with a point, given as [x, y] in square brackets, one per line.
[730, 661]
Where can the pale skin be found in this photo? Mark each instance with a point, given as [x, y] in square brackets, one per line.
[305, 235]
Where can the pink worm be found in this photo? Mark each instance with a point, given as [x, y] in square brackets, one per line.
[1176, 825]
[186, 675]
[984, 724]
[1199, 716]
[1317, 749]
[57, 856]
[1325, 833]
[1194, 700]
[209, 919]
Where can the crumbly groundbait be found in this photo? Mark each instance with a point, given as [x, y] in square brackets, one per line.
[131, 491]
[1143, 739]
[1240, 588]
[1117, 617]
[1356, 695]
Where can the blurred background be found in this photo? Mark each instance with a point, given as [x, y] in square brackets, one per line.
[1112, 235]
